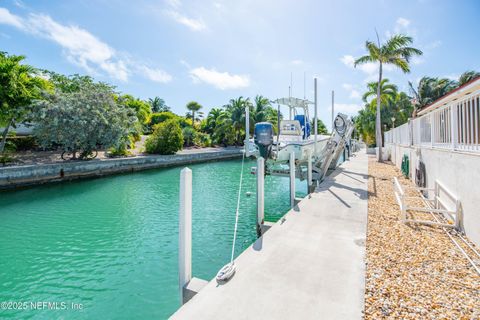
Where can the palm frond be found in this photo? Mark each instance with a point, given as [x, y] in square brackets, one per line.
[396, 42]
[364, 59]
[373, 50]
[400, 63]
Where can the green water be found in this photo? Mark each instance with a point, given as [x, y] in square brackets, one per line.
[111, 244]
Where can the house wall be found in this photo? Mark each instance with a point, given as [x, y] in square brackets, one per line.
[458, 171]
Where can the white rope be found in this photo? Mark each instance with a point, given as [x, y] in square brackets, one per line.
[238, 207]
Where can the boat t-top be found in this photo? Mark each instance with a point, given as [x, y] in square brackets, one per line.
[292, 135]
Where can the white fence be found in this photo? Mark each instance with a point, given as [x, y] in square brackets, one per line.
[454, 126]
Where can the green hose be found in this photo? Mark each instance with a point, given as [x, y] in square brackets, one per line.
[405, 165]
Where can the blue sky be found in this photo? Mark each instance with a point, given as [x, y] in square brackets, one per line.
[214, 50]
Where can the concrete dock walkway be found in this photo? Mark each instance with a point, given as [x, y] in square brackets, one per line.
[309, 265]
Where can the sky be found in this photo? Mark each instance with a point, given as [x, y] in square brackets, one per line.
[213, 50]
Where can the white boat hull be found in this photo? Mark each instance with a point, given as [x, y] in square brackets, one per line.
[301, 149]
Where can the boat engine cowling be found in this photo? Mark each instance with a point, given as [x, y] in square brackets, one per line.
[263, 138]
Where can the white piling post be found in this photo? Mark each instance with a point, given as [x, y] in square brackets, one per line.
[247, 132]
[309, 169]
[292, 179]
[260, 194]
[185, 230]
[315, 123]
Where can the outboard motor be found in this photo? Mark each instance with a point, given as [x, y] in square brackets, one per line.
[263, 137]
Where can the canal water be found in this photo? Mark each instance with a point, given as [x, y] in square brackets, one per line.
[108, 248]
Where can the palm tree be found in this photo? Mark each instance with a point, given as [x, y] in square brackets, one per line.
[158, 105]
[387, 91]
[395, 51]
[212, 120]
[234, 118]
[428, 90]
[261, 105]
[468, 76]
[193, 106]
[20, 86]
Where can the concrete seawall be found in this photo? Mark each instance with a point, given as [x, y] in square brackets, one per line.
[21, 176]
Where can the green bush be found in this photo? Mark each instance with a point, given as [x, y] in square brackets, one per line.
[188, 136]
[185, 122]
[167, 138]
[160, 117]
[21, 143]
[202, 140]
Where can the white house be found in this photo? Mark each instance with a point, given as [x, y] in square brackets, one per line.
[446, 136]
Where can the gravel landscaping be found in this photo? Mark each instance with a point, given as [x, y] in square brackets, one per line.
[413, 271]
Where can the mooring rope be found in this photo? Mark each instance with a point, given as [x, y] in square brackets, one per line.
[238, 207]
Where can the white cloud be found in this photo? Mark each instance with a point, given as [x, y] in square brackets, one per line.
[220, 80]
[433, 45]
[402, 22]
[180, 17]
[369, 68]
[19, 4]
[81, 47]
[348, 108]
[7, 18]
[452, 76]
[354, 94]
[194, 24]
[348, 60]
[417, 60]
[156, 75]
[353, 90]
[297, 62]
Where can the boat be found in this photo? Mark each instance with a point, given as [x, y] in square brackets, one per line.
[293, 135]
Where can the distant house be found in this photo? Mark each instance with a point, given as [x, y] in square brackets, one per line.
[21, 129]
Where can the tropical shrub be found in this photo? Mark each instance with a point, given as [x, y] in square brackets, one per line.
[20, 86]
[21, 143]
[184, 122]
[157, 105]
[83, 120]
[159, 117]
[202, 139]
[189, 135]
[321, 128]
[141, 108]
[167, 138]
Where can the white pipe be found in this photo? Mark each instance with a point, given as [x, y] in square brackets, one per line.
[260, 194]
[309, 168]
[292, 179]
[185, 230]
[247, 131]
[315, 122]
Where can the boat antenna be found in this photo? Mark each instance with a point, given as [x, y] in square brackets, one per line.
[291, 83]
[304, 85]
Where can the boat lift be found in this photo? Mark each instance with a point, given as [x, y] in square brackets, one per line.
[316, 167]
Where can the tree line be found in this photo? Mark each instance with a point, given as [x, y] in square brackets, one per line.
[397, 106]
[386, 106]
[78, 115]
